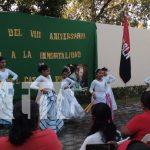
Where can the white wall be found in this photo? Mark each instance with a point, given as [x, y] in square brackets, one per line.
[109, 38]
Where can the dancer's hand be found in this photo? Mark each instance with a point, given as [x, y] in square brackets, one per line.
[9, 80]
[66, 87]
[94, 95]
[44, 91]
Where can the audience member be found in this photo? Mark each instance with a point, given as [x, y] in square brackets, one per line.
[103, 129]
[133, 145]
[139, 125]
[24, 133]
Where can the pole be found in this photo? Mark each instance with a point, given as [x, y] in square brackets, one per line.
[125, 95]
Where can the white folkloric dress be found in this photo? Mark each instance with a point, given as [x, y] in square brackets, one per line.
[99, 88]
[47, 103]
[67, 104]
[6, 96]
[109, 79]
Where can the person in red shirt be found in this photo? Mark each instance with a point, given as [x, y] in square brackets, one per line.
[24, 133]
[139, 125]
[133, 145]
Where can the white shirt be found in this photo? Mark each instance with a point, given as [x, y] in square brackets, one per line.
[42, 82]
[6, 73]
[109, 78]
[67, 82]
[95, 138]
[98, 86]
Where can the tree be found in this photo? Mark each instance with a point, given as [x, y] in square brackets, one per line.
[6, 5]
[42, 7]
[108, 11]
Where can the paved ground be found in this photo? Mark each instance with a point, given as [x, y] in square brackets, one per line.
[75, 131]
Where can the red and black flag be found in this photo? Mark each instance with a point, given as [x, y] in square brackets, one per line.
[125, 63]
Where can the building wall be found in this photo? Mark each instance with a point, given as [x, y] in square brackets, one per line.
[109, 39]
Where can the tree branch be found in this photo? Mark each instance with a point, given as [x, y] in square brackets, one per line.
[102, 9]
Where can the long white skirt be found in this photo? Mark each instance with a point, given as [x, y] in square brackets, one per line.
[48, 112]
[68, 106]
[6, 102]
[114, 105]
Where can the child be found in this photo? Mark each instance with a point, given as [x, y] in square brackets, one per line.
[6, 93]
[67, 104]
[99, 90]
[47, 99]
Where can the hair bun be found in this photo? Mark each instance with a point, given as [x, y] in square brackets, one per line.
[41, 64]
[97, 70]
[66, 67]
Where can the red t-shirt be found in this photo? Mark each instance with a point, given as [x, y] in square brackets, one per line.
[139, 125]
[40, 140]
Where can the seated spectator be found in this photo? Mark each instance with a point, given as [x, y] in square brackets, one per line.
[103, 129]
[133, 145]
[139, 125]
[24, 133]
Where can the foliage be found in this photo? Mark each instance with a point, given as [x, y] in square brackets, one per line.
[42, 7]
[5, 5]
[84, 97]
[128, 92]
[109, 11]
[77, 10]
[103, 11]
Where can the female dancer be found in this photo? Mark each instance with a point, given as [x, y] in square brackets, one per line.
[6, 93]
[98, 88]
[47, 99]
[99, 91]
[68, 106]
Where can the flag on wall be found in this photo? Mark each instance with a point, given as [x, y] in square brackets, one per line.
[125, 63]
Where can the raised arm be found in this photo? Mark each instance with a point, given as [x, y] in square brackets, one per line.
[147, 80]
[111, 78]
[71, 82]
[14, 75]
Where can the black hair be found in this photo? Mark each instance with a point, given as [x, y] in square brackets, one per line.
[104, 69]
[66, 69]
[2, 58]
[137, 145]
[97, 70]
[103, 122]
[22, 127]
[72, 67]
[145, 99]
[42, 67]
